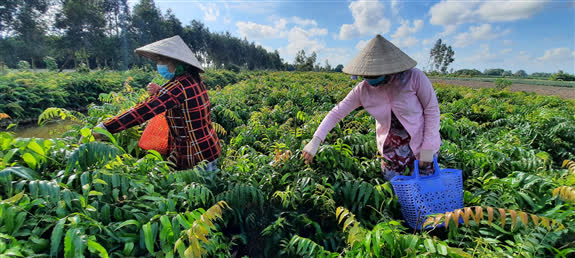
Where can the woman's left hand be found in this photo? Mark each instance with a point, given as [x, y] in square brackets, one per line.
[425, 158]
[97, 137]
[424, 164]
[153, 88]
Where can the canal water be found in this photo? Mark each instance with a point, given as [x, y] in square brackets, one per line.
[52, 129]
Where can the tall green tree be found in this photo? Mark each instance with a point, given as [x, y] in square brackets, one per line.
[116, 15]
[103, 33]
[84, 24]
[303, 62]
[8, 10]
[172, 25]
[23, 21]
[441, 56]
[495, 72]
[147, 22]
[520, 73]
[197, 36]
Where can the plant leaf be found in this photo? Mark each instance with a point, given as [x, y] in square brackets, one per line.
[93, 245]
[56, 237]
[148, 237]
[129, 222]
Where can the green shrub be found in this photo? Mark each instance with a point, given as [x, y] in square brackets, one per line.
[51, 64]
[562, 76]
[82, 68]
[23, 65]
[501, 84]
[233, 67]
[113, 199]
[468, 72]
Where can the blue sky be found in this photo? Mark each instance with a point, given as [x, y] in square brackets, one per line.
[537, 36]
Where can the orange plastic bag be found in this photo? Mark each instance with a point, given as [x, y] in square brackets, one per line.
[155, 136]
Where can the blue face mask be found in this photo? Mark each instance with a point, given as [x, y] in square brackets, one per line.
[163, 71]
[375, 82]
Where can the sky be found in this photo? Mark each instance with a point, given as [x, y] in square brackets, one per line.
[536, 36]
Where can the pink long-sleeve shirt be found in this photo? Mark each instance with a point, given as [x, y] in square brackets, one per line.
[411, 98]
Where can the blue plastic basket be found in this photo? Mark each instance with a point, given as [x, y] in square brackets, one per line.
[420, 196]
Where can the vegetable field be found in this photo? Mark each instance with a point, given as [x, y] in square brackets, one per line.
[110, 198]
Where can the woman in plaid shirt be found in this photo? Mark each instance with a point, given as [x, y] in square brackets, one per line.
[185, 100]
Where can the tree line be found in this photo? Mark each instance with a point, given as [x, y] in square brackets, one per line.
[499, 72]
[442, 55]
[104, 33]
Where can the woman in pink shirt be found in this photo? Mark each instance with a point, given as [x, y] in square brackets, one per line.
[402, 101]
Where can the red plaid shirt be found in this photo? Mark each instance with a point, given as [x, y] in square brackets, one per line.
[187, 106]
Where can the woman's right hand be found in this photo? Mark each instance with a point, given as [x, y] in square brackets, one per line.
[307, 157]
[310, 150]
[153, 88]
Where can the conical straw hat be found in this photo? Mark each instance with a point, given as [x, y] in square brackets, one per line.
[379, 57]
[174, 48]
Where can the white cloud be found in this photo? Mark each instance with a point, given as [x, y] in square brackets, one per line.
[476, 33]
[405, 42]
[335, 56]
[510, 10]
[451, 12]
[301, 36]
[369, 19]
[253, 30]
[348, 31]
[361, 44]
[405, 30]
[447, 30]
[395, 7]
[394, 4]
[281, 23]
[253, 7]
[507, 42]
[505, 51]
[316, 32]
[403, 36]
[211, 11]
[303, 22]
[301, 39]
[483, 56]
[426, 42]
[454, 12]
[559, 56]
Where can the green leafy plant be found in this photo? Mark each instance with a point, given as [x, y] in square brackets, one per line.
[65, 198]
[501, 84]
[23, 65]
[50, 63]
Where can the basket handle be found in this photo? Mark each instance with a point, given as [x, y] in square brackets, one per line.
[416, 167]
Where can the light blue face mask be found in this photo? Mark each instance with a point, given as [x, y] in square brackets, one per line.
[164, 72]
[375, 82]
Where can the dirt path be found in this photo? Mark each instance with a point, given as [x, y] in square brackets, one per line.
[563, 92]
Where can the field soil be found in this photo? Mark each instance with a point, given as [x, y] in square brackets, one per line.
[563, 92]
